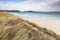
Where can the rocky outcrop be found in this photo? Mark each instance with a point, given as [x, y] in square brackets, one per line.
[15, 28]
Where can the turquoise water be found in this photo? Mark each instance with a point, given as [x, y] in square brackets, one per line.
[49, 15]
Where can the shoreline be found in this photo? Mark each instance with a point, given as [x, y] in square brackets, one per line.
[50, 24]
[45, 23]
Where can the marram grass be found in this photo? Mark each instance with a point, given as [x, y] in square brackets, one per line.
[15, 28]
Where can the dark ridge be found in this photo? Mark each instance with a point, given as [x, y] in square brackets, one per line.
[9, 11]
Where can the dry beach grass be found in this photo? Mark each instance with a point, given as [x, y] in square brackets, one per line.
[15, 28]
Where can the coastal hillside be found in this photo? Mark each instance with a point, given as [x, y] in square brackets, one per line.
[9, 11]
[15, 28]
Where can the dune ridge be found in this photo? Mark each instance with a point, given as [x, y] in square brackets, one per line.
[15, 28]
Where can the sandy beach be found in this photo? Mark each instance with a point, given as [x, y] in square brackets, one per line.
[50, 24]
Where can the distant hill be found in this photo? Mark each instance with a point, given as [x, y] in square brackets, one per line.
[28, 11]
[15, 28]
[9, 11]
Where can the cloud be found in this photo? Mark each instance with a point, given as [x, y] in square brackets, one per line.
[55, 5]
[36, 5]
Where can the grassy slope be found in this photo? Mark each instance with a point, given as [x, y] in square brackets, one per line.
[58, 37]
[15, 28]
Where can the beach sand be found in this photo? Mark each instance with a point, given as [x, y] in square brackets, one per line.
[50, 24]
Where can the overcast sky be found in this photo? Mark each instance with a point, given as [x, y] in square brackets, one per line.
[36, 5]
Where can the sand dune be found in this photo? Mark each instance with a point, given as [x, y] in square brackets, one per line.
[15, 28]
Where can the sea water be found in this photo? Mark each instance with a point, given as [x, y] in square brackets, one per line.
[53, 15]
[49, 20]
